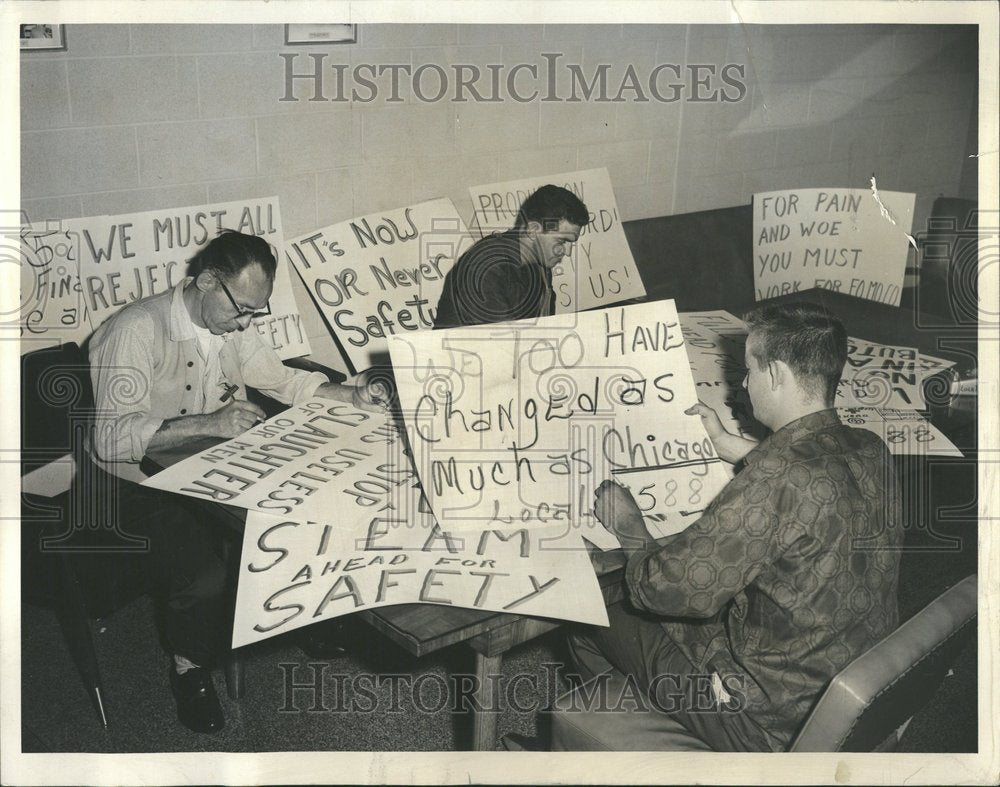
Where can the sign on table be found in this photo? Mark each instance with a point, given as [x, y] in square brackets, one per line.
[294, 573]
[90, 268]
[601, 270]
[905, 432]
[836, 239]
[517, 425]
[881, 375]
[316, 460]
[381, 274]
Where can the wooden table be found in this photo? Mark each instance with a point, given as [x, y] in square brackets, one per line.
[424, 628]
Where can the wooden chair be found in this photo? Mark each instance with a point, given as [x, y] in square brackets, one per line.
[866, 706]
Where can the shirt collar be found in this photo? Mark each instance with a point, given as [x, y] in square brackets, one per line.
[793, 432]
[181, 327]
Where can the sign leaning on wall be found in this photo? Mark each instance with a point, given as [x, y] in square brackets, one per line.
[85, 270]
[379, 275]
[600, 270]
[852, 241]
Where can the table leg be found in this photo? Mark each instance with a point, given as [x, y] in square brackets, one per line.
[484, 722]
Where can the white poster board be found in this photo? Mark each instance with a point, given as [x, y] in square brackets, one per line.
[90, 268]
[833, 238]
[600, 270]
[380, 274]
[295, 573]
[516, 425]
[882, 375]
[905, 432]
[315, 458]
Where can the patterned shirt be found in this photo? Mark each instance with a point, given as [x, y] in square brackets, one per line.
[790, 574]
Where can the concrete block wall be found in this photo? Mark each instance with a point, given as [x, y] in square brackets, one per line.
[141, 117]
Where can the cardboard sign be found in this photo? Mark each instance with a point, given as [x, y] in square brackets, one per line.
[600, 270]
[881, 375]
[51, 305]
[95, 266]
[905, 432]
[381, 274]
[834, 238]
[516, 426]
[313, 459]
[295, 573]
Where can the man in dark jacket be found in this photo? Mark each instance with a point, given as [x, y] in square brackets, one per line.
[508, 275]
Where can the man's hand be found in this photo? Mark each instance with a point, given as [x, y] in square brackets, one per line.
[616, 509]
[235, 418]
[730, 447]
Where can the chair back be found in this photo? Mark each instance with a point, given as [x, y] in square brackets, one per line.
[879, 691]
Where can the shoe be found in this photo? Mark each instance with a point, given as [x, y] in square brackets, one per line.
[324, 641]
[198, 707]
[515, 742]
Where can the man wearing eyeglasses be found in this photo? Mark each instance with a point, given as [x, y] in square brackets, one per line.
[173, 368]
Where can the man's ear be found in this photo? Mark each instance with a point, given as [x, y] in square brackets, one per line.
[206, 281]
[780, 374]
[533, 227]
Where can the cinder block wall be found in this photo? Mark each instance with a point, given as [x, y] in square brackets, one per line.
[140, 117]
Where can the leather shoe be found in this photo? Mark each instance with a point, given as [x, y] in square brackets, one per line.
[198, 707]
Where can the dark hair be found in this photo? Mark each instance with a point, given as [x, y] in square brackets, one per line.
[807, 337]
[549, 205]
[230, 252]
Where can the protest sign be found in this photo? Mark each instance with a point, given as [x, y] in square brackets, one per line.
[516, 425]
[905, 432]
[600, 271]
[380, 274]
[835, 239]
[295, 573]
[51, 308]
[881, 375]
[315, 458]
[101, 263]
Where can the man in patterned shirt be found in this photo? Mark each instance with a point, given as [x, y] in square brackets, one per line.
[790, 574]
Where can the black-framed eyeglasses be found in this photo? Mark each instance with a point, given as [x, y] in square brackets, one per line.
[240, 311]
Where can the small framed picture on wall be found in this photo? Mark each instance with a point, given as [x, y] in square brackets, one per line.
[321, 34]
[38, 37]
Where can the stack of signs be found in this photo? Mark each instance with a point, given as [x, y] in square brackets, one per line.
[846, 240]
[84, 270]
[882, 390]
[600, 270]
[516, 424]
[382, 274]
[336, 523]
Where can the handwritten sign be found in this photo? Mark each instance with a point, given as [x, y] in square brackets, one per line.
[835, 239]
[905, 432]
[600, 270]
[515, 426]
[51, 305]
[382, 274]
[313, 459]
[97, 265]
[295, 573]
[881, 375]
